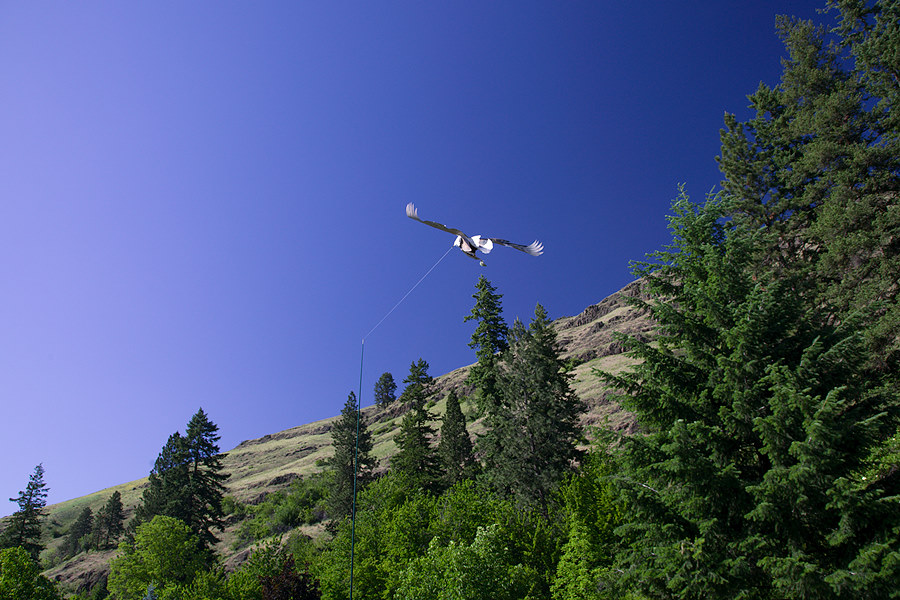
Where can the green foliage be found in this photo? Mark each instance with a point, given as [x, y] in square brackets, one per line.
[303, 503]
[416, 458]
[482, 569]
[756, 417]
[245, 583]
[385, 390]
[377, 507]
[109, 523]
[398, 524]
[21, 579]
[576, 574]
[590, 505]
[533, 426]
[78, 538]
[186, 482]
[25, 525]
[488, 341]
[168, 483]
[455, 447]
[817, 170]
[418, 385]
[205, 478]
[164, 554]
[352, 442]
[461, 510]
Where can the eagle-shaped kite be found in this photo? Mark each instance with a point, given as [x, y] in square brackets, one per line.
[469, 245]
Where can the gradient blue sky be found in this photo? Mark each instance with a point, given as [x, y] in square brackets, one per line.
[202, 204]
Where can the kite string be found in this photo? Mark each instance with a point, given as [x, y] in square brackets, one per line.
[359, 412]
[408, 293]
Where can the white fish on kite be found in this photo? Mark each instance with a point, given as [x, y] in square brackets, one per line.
[469, 245]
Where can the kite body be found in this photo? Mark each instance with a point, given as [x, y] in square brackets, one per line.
[471, 245]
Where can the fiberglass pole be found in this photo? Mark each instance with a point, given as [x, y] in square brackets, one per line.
[362, 351]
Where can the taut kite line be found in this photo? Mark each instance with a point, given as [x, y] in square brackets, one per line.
[469, 245]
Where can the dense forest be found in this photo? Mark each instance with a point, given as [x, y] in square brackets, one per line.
[765, 462]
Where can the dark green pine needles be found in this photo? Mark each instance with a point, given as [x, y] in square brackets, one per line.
[343, 461]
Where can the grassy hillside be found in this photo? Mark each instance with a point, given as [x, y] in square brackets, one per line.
[261, 466]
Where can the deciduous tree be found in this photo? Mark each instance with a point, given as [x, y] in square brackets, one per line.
[164, 554]
[21, 579]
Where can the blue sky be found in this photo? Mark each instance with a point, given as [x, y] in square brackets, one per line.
[202, 204]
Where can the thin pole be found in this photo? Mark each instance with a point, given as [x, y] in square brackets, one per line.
[362, 351]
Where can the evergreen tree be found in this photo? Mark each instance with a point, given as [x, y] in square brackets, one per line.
[756, 422]
[348, 459]
[167, 488]
[489, 340]
[418, 384]
[99, 536]
[533, 429]
[416, 458]
[115, 517]
[206, 478]
[186, 481]
[817, 171]
[109, 523]
[385, 390]
[455, 446]
[24, 528]
[78, 538]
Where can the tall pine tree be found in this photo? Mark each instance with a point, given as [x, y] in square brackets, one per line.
[533, 428]
[347, 460]
[206, 478]
[186, 482]
[109, 522]
[385, 390]
[418, 384]
[455, 447]
[25, 525]
[416, 456]
[488, 341]
[168, 484]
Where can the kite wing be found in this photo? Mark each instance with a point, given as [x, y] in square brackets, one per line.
[535, 248]
[412, 213]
